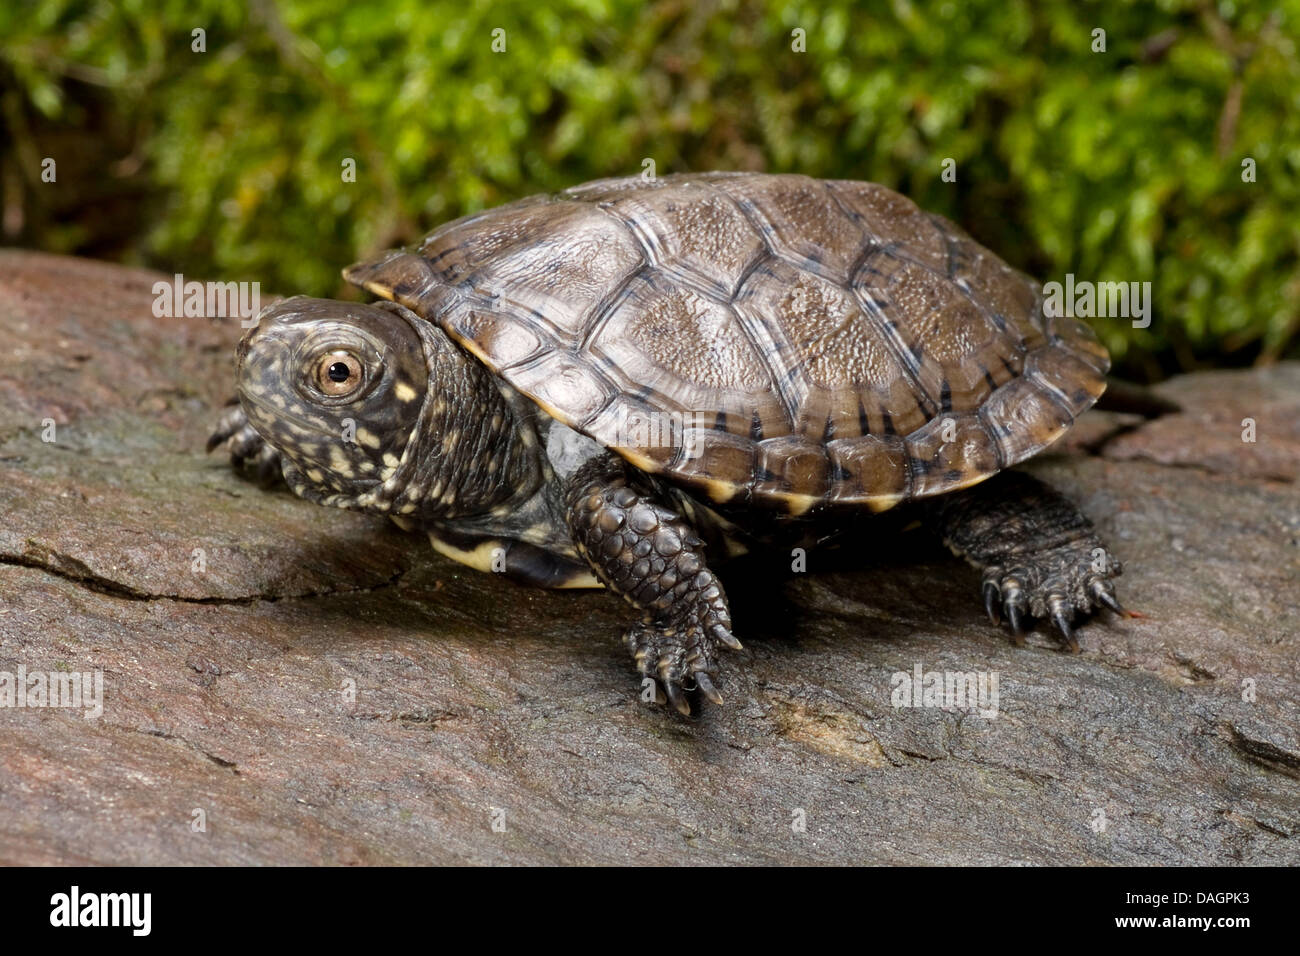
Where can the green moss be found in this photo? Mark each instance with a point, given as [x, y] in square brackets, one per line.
[1123, 165]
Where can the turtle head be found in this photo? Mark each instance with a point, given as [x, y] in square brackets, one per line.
[337, 388]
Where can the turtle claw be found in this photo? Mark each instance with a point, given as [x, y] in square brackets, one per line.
[268, 465]
[1062, 623]
[232, 419]
[676, 696]
[707, 689]
[676, 655]
[991, 602]
[726, 637]
[248, 451]
[1057, 584]
[1104, 594]
[1017, 623]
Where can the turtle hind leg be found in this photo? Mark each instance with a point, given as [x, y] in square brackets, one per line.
[249, 453]
[651, 556]
[1041, 558]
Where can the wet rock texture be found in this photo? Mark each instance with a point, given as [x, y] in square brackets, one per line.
[496, 724]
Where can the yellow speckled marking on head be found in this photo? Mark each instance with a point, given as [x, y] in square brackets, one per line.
[404, 392]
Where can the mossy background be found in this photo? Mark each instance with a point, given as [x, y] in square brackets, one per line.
[1125, 165]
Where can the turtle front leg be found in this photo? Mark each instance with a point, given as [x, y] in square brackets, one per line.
[1040, 556]
[650, 556]
[248, 451]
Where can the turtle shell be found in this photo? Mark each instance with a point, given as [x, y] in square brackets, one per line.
[766, 339]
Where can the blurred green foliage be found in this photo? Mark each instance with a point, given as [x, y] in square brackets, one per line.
[1124, 165]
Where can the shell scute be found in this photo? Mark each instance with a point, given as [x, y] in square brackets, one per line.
[555, 261]
[564, 386]
[836, 350]
[667, 326]
[950, 452]
[870, 468]
[706, 455]
[1075, 383]
[1023, 418]
[893, 221]
[509, 343]
[792, 466]
[696, 232]
[801, 222]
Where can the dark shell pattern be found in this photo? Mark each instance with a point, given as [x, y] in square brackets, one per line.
[820, 342]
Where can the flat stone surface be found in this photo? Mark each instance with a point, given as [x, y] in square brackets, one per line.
[1171, 738]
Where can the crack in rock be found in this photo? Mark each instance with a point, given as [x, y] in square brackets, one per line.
[1264, 754]
[165, 735]
[425, 715]
[79, 573]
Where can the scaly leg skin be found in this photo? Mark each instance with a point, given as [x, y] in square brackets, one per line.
[1040, 557]
[651, 557]
[248, 452]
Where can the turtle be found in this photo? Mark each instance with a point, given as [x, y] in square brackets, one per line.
[626, 383]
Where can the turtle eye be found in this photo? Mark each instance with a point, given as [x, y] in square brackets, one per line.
[338, 373]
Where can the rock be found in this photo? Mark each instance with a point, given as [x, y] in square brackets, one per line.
[1226, 412]
[318, 687]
